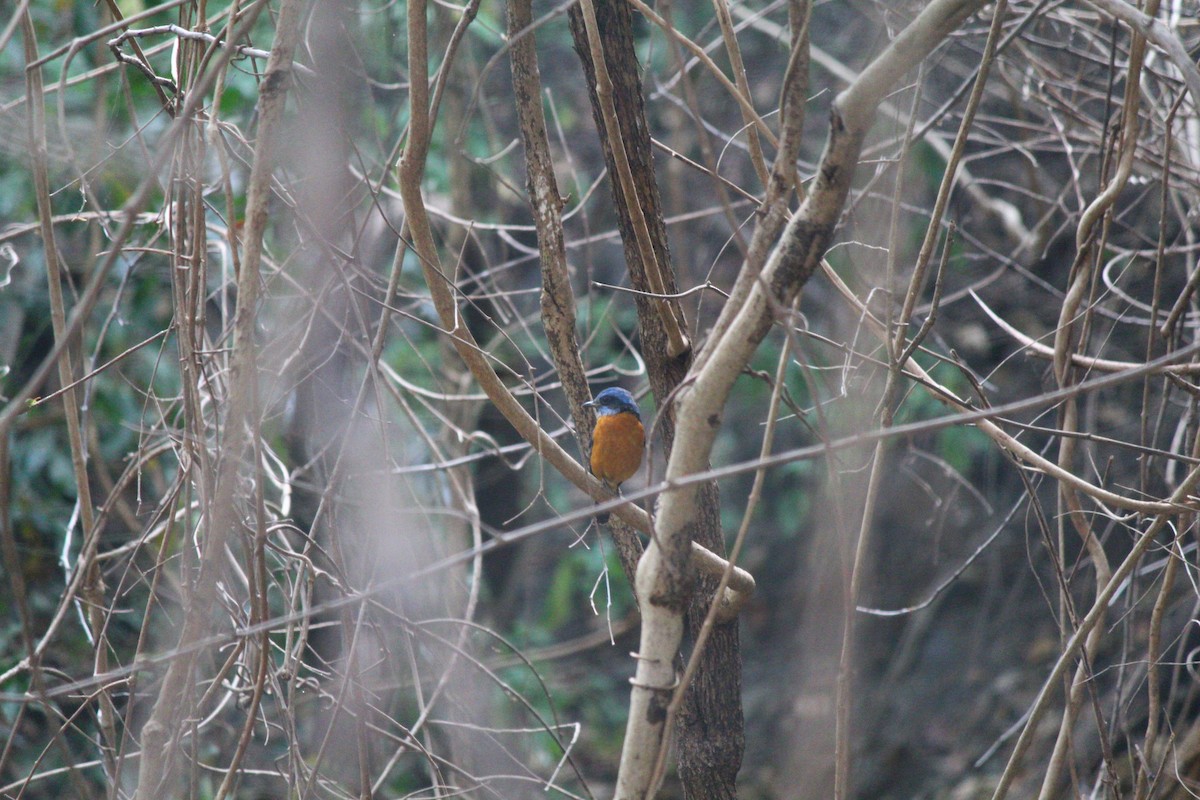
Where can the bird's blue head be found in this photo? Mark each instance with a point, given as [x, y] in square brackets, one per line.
[614, 400]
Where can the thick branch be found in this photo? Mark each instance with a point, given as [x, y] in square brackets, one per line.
[702, 399]
[670, 317]
[558, 298]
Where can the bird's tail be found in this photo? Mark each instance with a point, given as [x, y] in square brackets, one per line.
[602, 516]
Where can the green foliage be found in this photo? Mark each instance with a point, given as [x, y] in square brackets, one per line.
[962, 446]
[584, 578]
[16, 201]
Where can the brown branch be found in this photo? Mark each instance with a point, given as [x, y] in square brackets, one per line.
[670, 316]
[743, 85]
[557, 297]
[92, 586]
[1083, 630]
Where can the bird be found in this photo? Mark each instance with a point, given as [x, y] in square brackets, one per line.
[617, 440]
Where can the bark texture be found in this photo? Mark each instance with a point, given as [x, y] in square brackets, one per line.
[709, 732]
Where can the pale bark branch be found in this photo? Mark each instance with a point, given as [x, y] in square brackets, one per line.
[703, 394]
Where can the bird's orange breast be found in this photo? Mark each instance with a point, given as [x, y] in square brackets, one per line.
[617, 444]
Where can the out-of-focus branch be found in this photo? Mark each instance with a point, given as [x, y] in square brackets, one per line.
[900, 349]
[131, 217]
[161, 732]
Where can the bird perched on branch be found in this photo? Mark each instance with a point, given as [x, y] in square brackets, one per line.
[617, 440]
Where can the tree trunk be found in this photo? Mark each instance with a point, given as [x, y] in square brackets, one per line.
[709, 730]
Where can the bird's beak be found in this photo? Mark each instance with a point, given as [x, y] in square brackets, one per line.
[590, 404]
